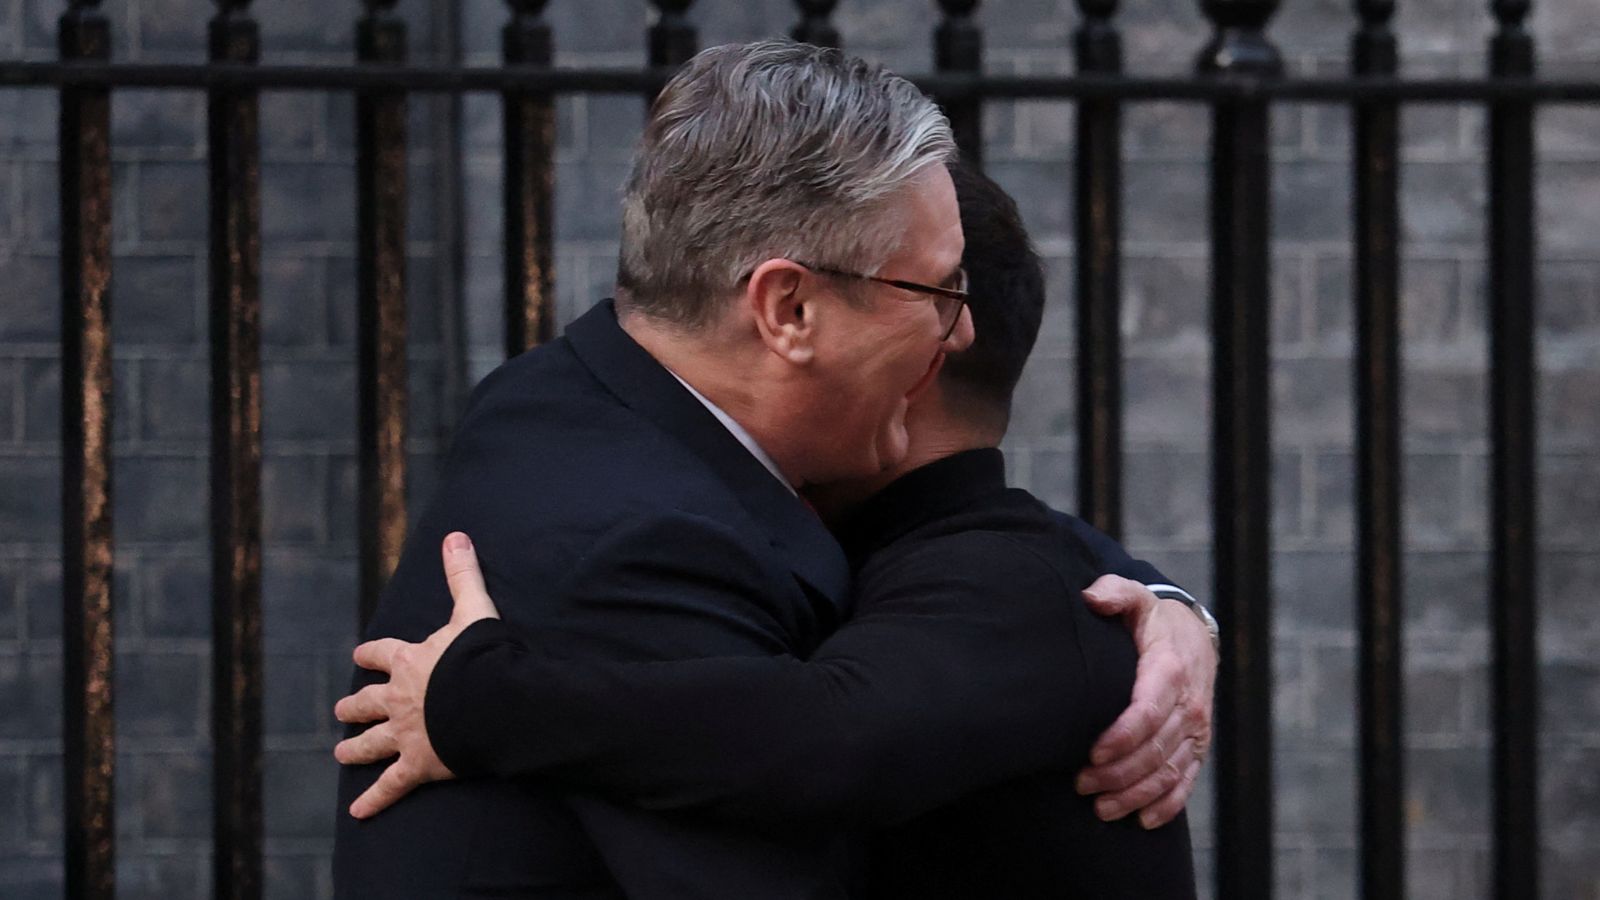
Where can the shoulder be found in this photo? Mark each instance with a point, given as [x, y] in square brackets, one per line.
[1003, 569]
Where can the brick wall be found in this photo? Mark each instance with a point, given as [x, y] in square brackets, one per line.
[163, 692]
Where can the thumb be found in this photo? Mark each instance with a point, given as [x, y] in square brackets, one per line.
[1109, 596]
[466, 581]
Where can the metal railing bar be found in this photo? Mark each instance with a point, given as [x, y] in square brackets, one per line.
[951, 85]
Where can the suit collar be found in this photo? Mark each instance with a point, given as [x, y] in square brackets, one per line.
[645, 386]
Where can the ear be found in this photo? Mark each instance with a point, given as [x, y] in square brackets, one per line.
[784, 308]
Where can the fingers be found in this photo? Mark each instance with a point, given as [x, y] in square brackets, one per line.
[378, 655]
[1145, 760]
[366, 705]
[1157, 688]
[1168, 776]
[395, 782]
[1170, 804]
[462, 571]
[377, 742]
[1113, 595]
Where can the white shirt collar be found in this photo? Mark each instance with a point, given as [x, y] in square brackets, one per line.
[739, 434]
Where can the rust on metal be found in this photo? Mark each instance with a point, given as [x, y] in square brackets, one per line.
[530, 128]
[1099, 236]
[89, 739]
[381, 193]
[235, 233]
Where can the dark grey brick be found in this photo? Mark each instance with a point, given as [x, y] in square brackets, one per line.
[294, 498]
[297, 877]
[1170, 129]
[309, 602]
[1164, 298]
[41, 202]
[1043, 190]
[424, 302]
[1566, 590]
[1053, 478]
[1334, 874]
[1567, 131]
[1167, 497]
[174, 794]
[172, 201]
[1311, 401]
[158, 118]
[306, 27]
[293, 301]
[175, 595]
[1567, 407]
[177, 399]
[1436, 695]
[1444, 406]
[10, 401]
[13, 788]
[41, 598]
[1446, 789]
[291, 696]
[299, 792]
[11, 599]
[295, 117]
[32, 879]
[30, 498]
[44, 801]
[1569, 299]
[1567, 194]
[28, 119]
[162, 694]
[1167, 398]
[308, 202]
[1043, 404]
[33, 298]
[1442, 202]
[1569, 688]
[1316, 794]
[614, 125]
[30, 688]
[161, 499]
[1313, 588]
[155, 301]
[1311, 202]
[1569, 495]
[1445, 592]
[161, 877]
[588, 204]
[1435, 873]
[340, 289]
[308, 399]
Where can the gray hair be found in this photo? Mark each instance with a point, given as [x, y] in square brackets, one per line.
[768, 150]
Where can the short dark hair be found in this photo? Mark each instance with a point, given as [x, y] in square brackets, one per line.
[1005, 281]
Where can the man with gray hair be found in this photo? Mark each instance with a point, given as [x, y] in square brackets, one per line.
[790, 281]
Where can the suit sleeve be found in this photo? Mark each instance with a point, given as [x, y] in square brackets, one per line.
[947, 680]
[1110, 557]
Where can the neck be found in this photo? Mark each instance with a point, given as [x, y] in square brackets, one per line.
[725, 364]
[935, 432]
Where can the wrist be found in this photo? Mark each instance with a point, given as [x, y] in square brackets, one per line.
[1179, 595]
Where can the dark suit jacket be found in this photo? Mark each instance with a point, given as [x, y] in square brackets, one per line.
[955, 707]
[617, 517]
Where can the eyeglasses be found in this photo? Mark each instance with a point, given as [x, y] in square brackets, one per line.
[946, 301]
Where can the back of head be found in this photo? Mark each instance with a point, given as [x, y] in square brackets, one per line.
[1005, 283]
[761, 151]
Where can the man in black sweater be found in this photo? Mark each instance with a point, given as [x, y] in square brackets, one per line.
[950, 713]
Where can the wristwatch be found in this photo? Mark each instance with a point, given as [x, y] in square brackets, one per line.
[1173, 592]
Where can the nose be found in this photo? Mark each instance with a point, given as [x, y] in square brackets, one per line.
[961, 338]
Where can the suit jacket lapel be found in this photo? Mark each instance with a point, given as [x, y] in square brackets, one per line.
[646, 387]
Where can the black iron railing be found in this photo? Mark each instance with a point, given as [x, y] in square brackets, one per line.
[1238, 76]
